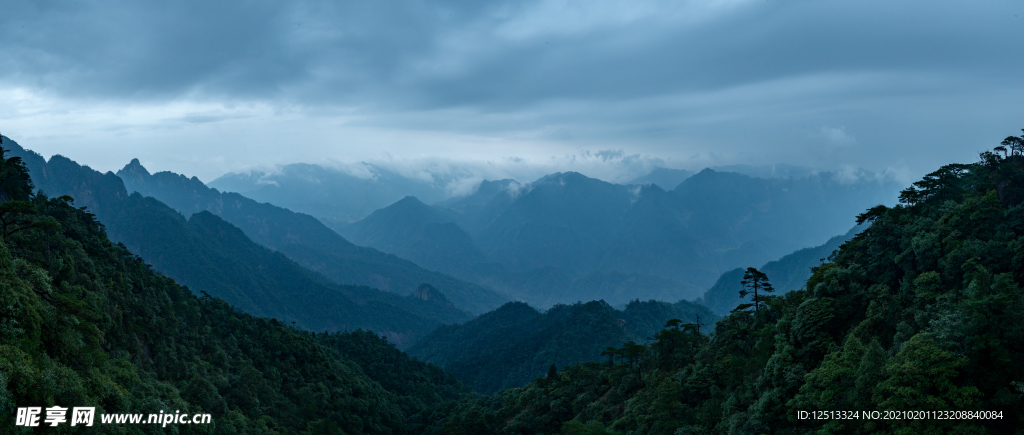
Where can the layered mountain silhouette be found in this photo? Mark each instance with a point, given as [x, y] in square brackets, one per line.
[780, 170]
[787, 273]
[516, 343]
[211, 255]
[567, 237]
[339, 195]
[665, 178]
[421, 233]
[305, 240]
[335, 196]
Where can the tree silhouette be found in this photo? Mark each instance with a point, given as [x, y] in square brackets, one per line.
[755, 282]
[633, 352]
[611, 352]
[1015, 144]
[15, 184]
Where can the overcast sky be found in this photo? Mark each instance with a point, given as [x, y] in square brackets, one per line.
[606, 88]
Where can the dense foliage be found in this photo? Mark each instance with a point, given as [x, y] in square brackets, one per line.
[922, 311]
[85, 322]
[515, 344]
[210, 255]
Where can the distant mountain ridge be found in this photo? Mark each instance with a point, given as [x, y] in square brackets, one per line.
[515, 344]
[341, 194]
[209, 254]
[787, 273]
[335, 196]
[304, 239]
[86, 322]
[425, 235]
[665, 178]
[567, 237]
[780, 170]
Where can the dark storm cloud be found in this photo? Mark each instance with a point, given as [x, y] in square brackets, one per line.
[755, 43]
[269, 50]
[820, 83]
[441, 54]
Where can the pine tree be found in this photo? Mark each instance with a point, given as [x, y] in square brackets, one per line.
[755, 282]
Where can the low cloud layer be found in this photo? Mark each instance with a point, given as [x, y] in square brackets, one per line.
[222, 86]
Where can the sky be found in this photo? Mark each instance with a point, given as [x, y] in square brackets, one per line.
[494, 89]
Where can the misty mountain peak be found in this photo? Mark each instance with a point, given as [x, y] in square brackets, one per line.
[409, 200]
[408, 206]
[563, 177]
[575, 180]
[133, 169]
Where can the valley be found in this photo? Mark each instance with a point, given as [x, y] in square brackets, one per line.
[471, 348]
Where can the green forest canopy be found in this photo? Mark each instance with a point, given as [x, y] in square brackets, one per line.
[87, 323]
[922, 311]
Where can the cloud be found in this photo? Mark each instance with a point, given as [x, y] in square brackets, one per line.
[634, 194]
[725, 81]
[515, 189]
[605, 155]
[360, 170]
[837, 136]
[463, 187]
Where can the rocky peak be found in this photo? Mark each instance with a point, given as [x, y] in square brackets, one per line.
[428, 293]
[133, 170]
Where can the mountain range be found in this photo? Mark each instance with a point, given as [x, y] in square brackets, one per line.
[305, 240]
[560, 239]
[920, 309]
[88, 323]
[210, 255]
[515, 344]
[787, 273]
[335, 196]
[567, 237]
[340, 194]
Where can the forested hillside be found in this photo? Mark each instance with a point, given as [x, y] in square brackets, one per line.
[89, 323]
[787, 273]
[922, 312]
[515, 344]
[306, 240]
[211, 255]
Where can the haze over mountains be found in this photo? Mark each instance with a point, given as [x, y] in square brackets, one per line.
[787, 273]
[211, 255]
[304, 239]
[930, 283]
[336, 197]
[560, 239]
[340, 195]
[567, 238]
